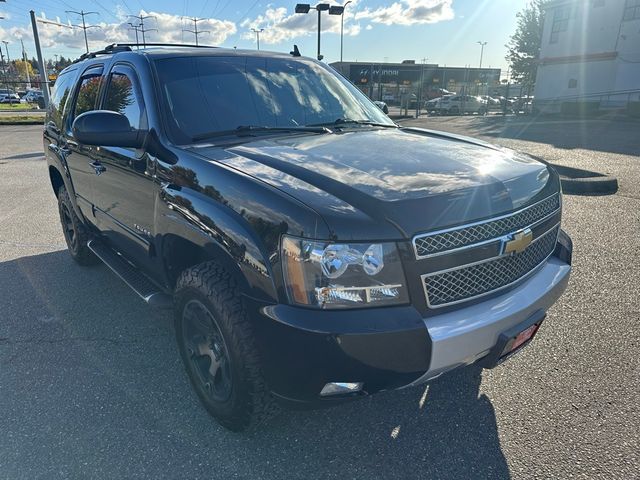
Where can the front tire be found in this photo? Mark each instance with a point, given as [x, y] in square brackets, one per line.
[75, 232]
[218, 348]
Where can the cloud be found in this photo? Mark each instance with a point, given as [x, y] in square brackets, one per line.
[167, 29]
[409, 12]
[280, 25]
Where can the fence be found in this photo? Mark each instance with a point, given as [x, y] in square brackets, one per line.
[622, 101]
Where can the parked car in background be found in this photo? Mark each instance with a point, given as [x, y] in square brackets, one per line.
[9, 98]
[32, 96]
[491, 101]
[382, 106]
[507, 103]
[438, 92]
[461, 104]
[433, 105]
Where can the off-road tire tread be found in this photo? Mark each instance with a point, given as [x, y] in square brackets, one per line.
[217, 285]
[84, 256]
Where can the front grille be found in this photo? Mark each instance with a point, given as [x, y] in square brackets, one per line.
[457, 237]
[475, 280]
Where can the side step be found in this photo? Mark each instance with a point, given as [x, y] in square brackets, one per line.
[137, 281]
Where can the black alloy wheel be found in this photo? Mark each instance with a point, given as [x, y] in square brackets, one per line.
[207, 351]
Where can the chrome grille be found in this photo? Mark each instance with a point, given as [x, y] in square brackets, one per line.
[475, 280]
[439, 242]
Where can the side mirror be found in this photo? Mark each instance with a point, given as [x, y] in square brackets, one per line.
[106, 128]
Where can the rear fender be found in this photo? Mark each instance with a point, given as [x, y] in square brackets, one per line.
[56, 162]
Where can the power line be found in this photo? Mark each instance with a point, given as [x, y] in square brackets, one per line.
[248, 11]
[84, 26]
[195, 30]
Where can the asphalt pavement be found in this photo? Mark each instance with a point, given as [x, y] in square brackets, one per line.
[91, 385]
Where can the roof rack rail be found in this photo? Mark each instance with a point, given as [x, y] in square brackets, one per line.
[113, 48]
[127, 47]
[147, 44]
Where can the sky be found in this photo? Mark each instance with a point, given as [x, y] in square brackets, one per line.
[445, 32]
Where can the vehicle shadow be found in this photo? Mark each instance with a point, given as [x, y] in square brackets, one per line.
[91, 386]
[600, 134]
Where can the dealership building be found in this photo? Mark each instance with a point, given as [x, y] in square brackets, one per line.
[390, 81]
[590, 56]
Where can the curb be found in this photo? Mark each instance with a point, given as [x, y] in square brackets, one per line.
[589, 185]
[577, 181]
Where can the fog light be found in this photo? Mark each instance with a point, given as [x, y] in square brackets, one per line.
[337, 388]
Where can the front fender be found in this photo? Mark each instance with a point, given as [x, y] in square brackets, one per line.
[221, 234]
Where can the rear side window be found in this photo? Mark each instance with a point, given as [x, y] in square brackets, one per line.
[87, 92]
[59, 97]
[123, 95]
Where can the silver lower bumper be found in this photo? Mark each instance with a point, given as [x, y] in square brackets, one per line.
[466, 335]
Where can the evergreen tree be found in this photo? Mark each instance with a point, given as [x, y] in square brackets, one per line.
[524, 45]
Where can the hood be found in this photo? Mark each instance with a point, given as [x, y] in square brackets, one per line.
[382, 183]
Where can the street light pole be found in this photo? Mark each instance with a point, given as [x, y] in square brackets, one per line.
[321, 7]
[257, 31]
[482, 44]
[319, 29]
[342, 28]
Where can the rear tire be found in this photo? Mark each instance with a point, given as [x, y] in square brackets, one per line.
[218, 348]
[75, 232]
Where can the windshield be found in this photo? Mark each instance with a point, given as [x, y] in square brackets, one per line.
[204, 94]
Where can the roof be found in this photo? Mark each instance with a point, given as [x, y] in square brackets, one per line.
[172, 50]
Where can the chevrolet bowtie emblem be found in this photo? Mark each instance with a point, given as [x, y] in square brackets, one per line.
[517, 242]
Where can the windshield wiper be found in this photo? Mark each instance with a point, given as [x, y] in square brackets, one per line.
[345, 121]
[247, 130]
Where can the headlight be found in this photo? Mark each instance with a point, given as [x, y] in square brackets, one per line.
[338, 275]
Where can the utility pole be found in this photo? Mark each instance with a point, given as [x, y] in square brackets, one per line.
[43, 70]
[84, 26]
[195, 31]
[482, 44]
[142, 29]
[135, 27]
[257, 32]
[7, 49]
[26, 64]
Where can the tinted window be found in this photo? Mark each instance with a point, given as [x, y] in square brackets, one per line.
[87, 93]
[205, 94]
[123, 95]
[59, 97]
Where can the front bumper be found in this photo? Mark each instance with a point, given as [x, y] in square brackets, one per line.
[388, 348]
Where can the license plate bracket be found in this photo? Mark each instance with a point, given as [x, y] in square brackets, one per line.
[513, 340]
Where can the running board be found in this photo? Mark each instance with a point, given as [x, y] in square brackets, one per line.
[137, 281]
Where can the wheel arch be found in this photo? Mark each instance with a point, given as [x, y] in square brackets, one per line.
[56, 179]
[195, 230]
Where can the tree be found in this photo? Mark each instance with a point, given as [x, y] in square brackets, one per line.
[23, 68]
[524, 45]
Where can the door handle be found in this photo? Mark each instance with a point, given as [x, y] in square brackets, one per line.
[59, 150]
[98, 167]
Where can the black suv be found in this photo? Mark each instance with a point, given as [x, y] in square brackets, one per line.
[312, 250]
